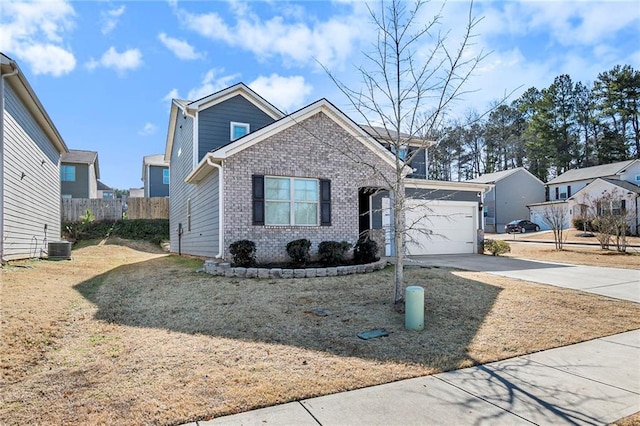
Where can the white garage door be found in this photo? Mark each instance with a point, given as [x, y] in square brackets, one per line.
[441, 227]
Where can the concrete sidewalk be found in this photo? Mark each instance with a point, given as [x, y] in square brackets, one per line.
[593, 383]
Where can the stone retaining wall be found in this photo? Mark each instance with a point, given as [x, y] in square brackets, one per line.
[225, 270]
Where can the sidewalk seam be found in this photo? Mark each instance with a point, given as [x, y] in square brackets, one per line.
[310, 413]
[482, 399]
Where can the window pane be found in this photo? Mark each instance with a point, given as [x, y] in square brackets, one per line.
[165, 176]
[277, 213]
[306, 190]
[68, 173]
[277, 189]
[306, 214]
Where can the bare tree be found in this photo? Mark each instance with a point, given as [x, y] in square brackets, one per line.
[612, 218]
[413, 75]
[555, 216]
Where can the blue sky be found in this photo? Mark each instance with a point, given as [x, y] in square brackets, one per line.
[106, 70]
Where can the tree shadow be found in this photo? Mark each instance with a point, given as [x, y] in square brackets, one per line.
[320, 314]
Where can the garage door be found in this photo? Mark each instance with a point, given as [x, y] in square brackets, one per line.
[441, 227]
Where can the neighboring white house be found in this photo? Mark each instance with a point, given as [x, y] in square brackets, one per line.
[578, 190]
[513, 190]
[29, 169]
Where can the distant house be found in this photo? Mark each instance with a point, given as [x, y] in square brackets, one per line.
[513, 190]
[29, 169]
[136, 193]
[79, 174]
[575, 191]
[105, 192]
[155, 175]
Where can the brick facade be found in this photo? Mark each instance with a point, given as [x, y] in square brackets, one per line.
[318, 147]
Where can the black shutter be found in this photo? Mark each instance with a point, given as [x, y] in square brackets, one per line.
[568, 191]
[557, 193]
[325, 202]
[258, 199]
[623, 206]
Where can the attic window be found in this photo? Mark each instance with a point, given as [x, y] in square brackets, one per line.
[238, 130]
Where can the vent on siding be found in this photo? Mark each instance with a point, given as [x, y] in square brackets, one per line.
[59, 250]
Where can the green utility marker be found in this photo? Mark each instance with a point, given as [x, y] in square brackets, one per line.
[373, 334]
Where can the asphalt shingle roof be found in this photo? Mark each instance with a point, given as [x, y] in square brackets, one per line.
[603, 170]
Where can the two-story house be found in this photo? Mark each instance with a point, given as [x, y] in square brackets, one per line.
[155, 176]
[242, 169]
[29, 168]
[576, 190]
[513, 190]
[79, 174]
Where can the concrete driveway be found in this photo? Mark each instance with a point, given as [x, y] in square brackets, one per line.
[613, 282]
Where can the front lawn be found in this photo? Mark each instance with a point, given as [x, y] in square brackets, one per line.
[128, 335]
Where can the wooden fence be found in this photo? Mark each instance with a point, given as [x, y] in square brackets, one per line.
[102, 209]
[113, 209]
[148, 208]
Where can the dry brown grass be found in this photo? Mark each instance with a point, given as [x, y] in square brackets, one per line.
[123, 336]
[579, 248]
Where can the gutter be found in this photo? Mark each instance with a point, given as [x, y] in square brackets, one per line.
[2, 82]
[220, 206]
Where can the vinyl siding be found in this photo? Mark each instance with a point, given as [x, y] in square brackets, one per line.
[214, 122]
[513, 194]
[202, 239]
[155, 182]
[31, 183]
[80, 187]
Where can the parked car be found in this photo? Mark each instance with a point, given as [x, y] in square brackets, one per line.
[521, 226]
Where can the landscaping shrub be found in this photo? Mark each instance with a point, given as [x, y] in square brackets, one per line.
[298, 251]
[497, 247]
[243, 252]
[152, 230]
[332, 252]
[365, 251]
[586, 225]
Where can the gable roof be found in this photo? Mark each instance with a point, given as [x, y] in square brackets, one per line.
[390, 135]
[497, 176]
[190, 108]
[626, 186]
[603, 170]
[103, 187]
[78, 156]
[153, 160]
[26, 94]
[321, 106]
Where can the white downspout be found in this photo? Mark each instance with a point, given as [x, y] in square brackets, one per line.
[220, 206]
[12, 73]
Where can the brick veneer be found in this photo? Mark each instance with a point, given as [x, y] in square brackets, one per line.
[315, 148]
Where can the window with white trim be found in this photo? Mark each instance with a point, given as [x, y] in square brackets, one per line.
[637, 178]
[68, 173]
[238, 130]
[165, 176]
[290, 201]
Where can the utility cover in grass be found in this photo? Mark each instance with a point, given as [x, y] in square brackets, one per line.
[373, 334]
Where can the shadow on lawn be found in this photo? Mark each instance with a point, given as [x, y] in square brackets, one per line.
[321, 314]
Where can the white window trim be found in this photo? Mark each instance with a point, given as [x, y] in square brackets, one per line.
[237, 124]
[168, 176]
[64, 167]
[292, 202]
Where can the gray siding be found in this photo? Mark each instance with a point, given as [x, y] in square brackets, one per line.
[512, 194]
[156, 186]
[31, 183]
[79, 188]
[202, 238]
[214, 122]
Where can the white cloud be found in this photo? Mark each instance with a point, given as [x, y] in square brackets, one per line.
[286, 93]
[180, 48]
[211, 83]
[110, 19]
[120, 62]
[34, 32]
[147, 130]
[295, 41]
[173, 94]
